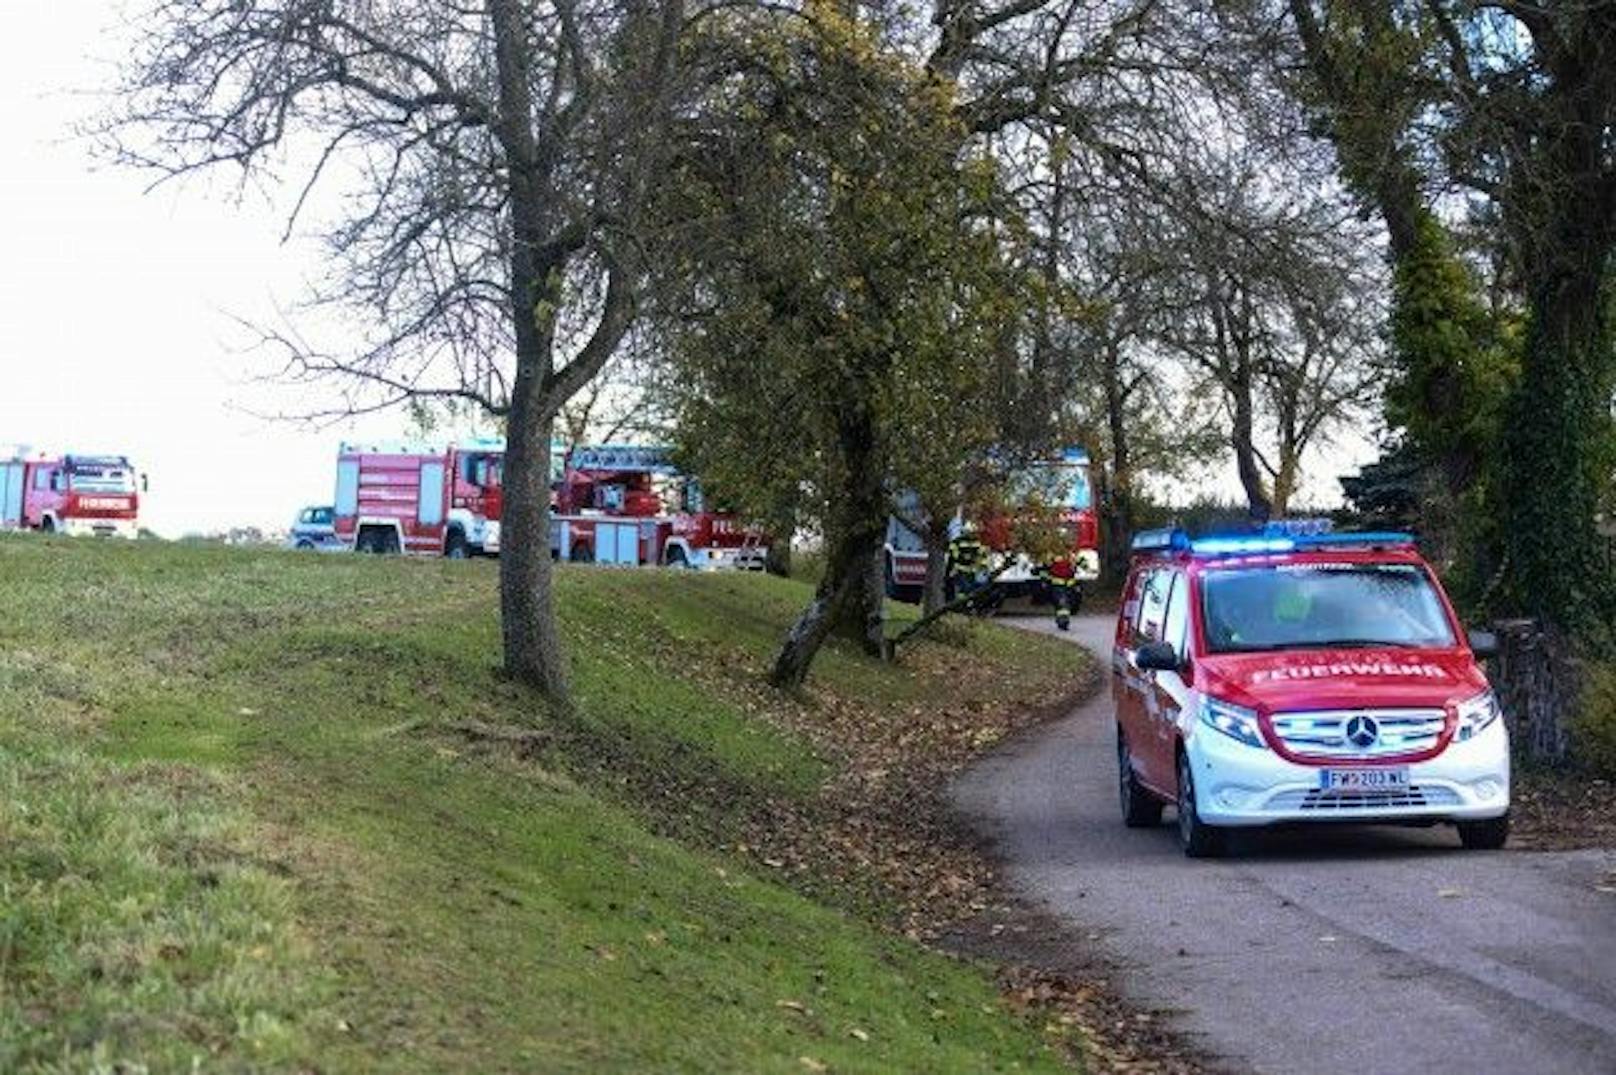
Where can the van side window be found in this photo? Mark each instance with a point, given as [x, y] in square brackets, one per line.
[1153, 605]
[1175, 630]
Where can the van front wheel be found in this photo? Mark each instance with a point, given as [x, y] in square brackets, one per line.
[1198, 839]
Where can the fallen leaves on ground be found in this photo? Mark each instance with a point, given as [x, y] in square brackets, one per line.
[1552, 810]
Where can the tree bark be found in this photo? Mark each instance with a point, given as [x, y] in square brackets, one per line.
[1558, 414]
[841, 604]
[934, 592]
[849, 598]
[1119, 514]
[1242, 430]
[778, 559]
[531, 635]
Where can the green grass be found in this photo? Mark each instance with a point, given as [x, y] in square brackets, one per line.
[251, 818]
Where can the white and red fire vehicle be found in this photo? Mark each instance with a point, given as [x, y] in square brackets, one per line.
[1284, 677]
[95, 495]
[393, 498]
[628, 504]
[1062, 483]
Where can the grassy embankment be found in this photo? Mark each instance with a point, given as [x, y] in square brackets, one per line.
[279, 812]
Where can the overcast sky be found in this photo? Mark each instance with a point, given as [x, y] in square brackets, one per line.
[117, 305]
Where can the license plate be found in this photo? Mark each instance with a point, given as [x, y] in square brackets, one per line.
[1362, 779]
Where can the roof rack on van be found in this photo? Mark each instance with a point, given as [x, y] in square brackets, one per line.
[1284, 535]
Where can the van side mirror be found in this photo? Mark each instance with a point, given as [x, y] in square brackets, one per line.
[1157, 657]
[1484, 644]
[145, 484]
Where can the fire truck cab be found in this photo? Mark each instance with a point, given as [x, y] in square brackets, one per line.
[1297, 675]
[393, 498]
[628, 504]
[1062, 484]
[96, 495]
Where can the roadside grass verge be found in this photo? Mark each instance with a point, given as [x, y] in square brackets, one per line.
[262, 811]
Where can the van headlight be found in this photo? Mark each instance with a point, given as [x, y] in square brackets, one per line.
[1236, 722]
[1475, 714]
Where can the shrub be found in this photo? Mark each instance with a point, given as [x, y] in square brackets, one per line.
[1593, 730]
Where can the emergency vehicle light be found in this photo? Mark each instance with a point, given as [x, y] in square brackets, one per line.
[1237, 546]
[1296, 527]
[631, 457]
[1166, 539]
[1365, 539]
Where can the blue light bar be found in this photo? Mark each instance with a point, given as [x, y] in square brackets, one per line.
[1166, 539]
[1238, 546]
[1296, 527]
[1365, 539]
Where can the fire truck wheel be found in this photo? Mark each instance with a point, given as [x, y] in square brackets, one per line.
[456, 548]
[581, 554]
[1488, 835]
[675, 557]
[48, 525]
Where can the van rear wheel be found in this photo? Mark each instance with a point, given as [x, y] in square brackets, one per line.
[1140, 809]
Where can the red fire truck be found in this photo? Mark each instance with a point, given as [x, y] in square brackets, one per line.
[70, 494]
[434, 501]
[628, 504]
[1062, 483]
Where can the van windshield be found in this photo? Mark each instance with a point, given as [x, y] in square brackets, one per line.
[1322, 606]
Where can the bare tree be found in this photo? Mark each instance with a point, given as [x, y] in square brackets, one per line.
[1275, 298]
[476, 171]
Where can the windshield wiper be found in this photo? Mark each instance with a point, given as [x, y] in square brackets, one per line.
[1371, 643]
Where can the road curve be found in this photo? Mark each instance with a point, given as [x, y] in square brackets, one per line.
[1356, 949]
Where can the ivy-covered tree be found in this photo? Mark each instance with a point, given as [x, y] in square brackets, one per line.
[1514, 102]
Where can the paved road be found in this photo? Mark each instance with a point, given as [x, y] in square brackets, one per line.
[1358, 950]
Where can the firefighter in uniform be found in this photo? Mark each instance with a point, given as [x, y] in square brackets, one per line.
[967, 563]
[1061, 577]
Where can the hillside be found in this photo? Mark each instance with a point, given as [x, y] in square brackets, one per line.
[266, 811]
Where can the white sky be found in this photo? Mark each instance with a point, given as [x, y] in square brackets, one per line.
[116, 332]
[115, 326]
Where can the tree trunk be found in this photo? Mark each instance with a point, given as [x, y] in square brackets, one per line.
[934, 592]
[841, 604]
[777, 561]
[1559, 414]
[1538, 681]
[531, 636]
[1241, 439]
[849, 598]
[1119, 516]
[1285, 480]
